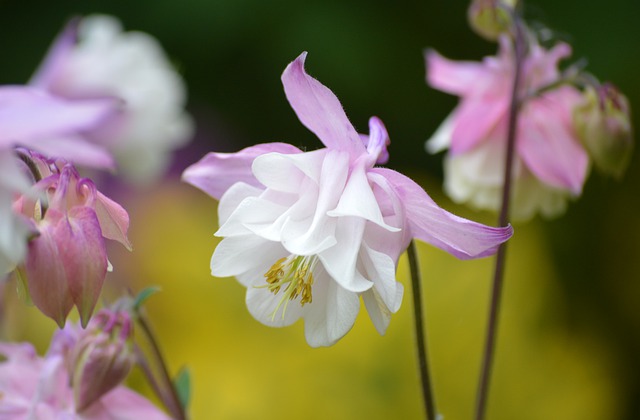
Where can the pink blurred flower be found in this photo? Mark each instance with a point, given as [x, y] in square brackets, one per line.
[324, 227]
[32, 387]
[67, 262]
[54, 126]
[550, 164]
[102, 356]
[94, 57]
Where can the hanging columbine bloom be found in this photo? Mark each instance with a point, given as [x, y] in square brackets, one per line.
[66, 262]
[93, 57]
[550, 164]
[308, 233]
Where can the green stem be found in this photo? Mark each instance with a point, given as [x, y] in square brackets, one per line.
[166, 393]
[421, 340]
[496, 290]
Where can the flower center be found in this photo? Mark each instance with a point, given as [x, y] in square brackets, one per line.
[294, 276]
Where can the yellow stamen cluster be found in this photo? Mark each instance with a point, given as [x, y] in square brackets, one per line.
[294, 276]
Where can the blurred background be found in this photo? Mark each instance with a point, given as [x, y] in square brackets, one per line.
[569, 334]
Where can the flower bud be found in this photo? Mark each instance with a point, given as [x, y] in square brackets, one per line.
[102, 357]
[67, 263]
[490, 18]
[603, 124]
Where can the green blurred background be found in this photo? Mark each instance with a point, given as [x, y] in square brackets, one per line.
[569, 336]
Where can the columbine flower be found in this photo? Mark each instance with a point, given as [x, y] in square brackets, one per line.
[102, 356]
[32, 387]
[39, 121]
[67, 262]
[93, 57]
[550, 164]
[308, 233]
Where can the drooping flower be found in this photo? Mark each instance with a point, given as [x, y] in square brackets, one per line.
[550, 164]
[67, 262]
[93, 57]
[33, 387]
[39, 121]
[308, 233]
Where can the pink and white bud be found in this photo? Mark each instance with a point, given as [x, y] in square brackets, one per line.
[102, 357]
[603, 124]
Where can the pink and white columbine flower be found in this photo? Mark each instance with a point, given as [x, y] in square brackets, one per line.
[33, 387]
[66, 262]
[308, 233]
[39, 121]
[93, 57]
[550, 164]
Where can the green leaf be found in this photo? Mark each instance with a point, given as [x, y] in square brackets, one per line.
[144, 295]
[182, 384]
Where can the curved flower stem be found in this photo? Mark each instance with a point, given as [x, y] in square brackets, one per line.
[496, 290]
[421, 339]
[167, 391]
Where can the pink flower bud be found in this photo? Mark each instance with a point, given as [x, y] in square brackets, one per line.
[603, 124]
[102, 357]
[67, 263]
[490, 18]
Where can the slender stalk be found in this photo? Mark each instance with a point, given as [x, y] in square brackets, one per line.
[168, 393]
[148, 372]
[498, 277]
[421, 339]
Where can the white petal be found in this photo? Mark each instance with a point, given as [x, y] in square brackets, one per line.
[320, 233]
[331, 314]
[284, 172]
[251, 211]
[239, 254]
[340, 260]
[381, 270]
[269, 308]
[358, 200]
[233, 197]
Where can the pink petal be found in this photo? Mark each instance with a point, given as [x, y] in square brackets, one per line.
[548, 145]
[216, 172]
[113, 219]
[454, 77]
[84, 256]
[75, 149]
[474, 119]
[377, 141]
[123, 404]
[46, 274]
[319, 109]
[428, 222]
[28, 115]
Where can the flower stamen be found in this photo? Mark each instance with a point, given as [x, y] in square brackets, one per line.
[294, 276]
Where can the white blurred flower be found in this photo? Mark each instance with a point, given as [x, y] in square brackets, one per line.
[93, 57]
